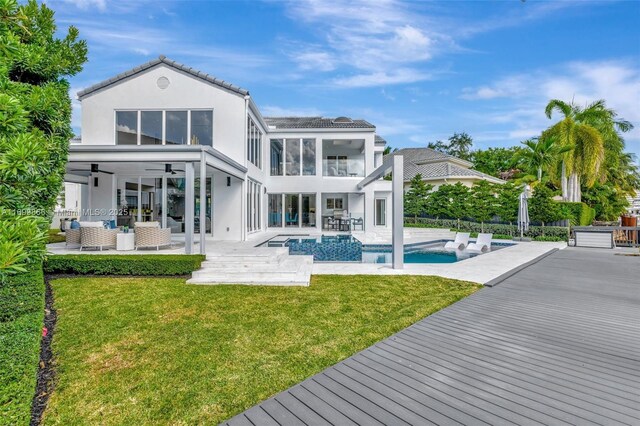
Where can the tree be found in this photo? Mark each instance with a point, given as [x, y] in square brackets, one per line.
[484, 203]
[542, 154]
[589, 130]
[508, 201]
[459, 145]
[35, 118]
[542, 208]
[415, 198]
[498, 162]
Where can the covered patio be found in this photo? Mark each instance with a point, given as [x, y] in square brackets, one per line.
[192, 191]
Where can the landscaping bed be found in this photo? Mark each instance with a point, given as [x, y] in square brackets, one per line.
[123, 264]
[156, 351]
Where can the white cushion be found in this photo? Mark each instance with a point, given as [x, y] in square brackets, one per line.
[91, 224]
[146, 225]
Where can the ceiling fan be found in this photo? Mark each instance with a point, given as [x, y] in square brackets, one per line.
[95, 168]
[167, 169]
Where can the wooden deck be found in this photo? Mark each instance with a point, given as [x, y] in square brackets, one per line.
[556, 343]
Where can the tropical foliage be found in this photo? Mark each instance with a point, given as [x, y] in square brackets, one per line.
[414, 199]
[459, 145]
[35, 116]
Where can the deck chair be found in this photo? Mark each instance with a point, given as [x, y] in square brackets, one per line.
[461, 241]
[483, 243]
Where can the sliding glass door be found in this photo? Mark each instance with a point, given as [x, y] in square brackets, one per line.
[292, 210]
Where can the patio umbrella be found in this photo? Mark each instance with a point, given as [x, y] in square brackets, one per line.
[523, 212]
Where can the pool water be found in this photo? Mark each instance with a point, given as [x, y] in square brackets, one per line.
[345, 248]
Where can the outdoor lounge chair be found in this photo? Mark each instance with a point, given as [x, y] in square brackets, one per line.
[150, 237]
[97, 237]
[461, 241]
[483, 243]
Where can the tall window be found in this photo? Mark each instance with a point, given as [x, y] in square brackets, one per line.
[292, 163]
[202, 128]
[381, 212]
[277, 157]
[151, 128]
[164, 127]
[254, 143]
[127, 127]
[309, 157]
[299, 157]
[177, 127]
[254, 205]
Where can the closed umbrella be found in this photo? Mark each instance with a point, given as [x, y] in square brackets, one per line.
[523, 212]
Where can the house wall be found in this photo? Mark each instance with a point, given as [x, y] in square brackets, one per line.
[184, 92]
[228, 202]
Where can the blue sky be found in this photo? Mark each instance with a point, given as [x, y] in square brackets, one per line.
[419, 71]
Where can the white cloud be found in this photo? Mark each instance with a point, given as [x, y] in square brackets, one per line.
[398, 76]
[89, 4]
[526, 95]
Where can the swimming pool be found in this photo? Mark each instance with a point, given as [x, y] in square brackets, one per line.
[345, 248]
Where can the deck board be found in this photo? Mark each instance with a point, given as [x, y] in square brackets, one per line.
[556, 343]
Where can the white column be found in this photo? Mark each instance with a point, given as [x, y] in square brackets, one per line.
[203, 202]
[139, 199]
[164, 201]
[397, 212]
[189, 207]
[114, 197]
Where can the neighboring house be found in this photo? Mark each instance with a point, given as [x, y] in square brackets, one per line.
[152, 135]
[437, 168]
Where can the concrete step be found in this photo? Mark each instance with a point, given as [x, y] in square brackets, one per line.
[285, 263]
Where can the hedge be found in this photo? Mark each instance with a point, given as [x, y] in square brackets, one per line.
[123, 264]
[579, 214]
[21, 322]
[559, 232]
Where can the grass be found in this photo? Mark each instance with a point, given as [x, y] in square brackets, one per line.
[55, 237]
[154, 350]
[21, 321]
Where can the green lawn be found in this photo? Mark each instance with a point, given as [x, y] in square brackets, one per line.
[154, 350]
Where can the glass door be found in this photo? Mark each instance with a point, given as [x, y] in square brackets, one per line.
[291, 207]
[275, 210]
[381, 212]
[308, 210]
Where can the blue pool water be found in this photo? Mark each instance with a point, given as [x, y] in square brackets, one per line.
[345, 248]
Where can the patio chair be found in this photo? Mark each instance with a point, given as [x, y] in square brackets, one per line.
[72, 237]
[97, 237]
[357, 222]
[333, 223]
[482, 244]
[148, 237]
[460, 242]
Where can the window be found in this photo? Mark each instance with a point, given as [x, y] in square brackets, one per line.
[176, 127]
[334, 203]
[127, 127]
[309, 157]
[277, 157]
[202, 128]
[151, 128]
[253, 206]
[292, 164]
[299, 158]
[292, 210]
[381, 212]
[164, 127]
[254, 143]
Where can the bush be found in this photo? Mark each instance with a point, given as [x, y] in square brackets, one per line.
[122, 264]
[21, 320]
[55, 237]
[548, 238]
[495, 228]
[579, 214]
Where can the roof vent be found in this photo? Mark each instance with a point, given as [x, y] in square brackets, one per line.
[342, 120]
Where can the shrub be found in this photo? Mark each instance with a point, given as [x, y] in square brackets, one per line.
[579, 214]
[21, 319]
[55, 237]
[495, 228]
[122, 264]
[548, 238]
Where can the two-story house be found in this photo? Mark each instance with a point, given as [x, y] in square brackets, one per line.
[164, 142]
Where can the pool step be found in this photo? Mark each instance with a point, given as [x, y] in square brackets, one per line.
[271, 266]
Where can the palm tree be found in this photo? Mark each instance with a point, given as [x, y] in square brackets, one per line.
[542, 153]
[580, 165]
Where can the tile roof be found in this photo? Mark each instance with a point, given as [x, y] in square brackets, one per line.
[317, 123]
[163, 60]
[380, 140]
[432, 164]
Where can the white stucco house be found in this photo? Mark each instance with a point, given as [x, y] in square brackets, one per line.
[164, 142]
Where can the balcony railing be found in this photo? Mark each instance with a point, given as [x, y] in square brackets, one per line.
[349, 167]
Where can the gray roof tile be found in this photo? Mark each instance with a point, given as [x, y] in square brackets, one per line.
[380, 140]
[163, 60]
[316, 123]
